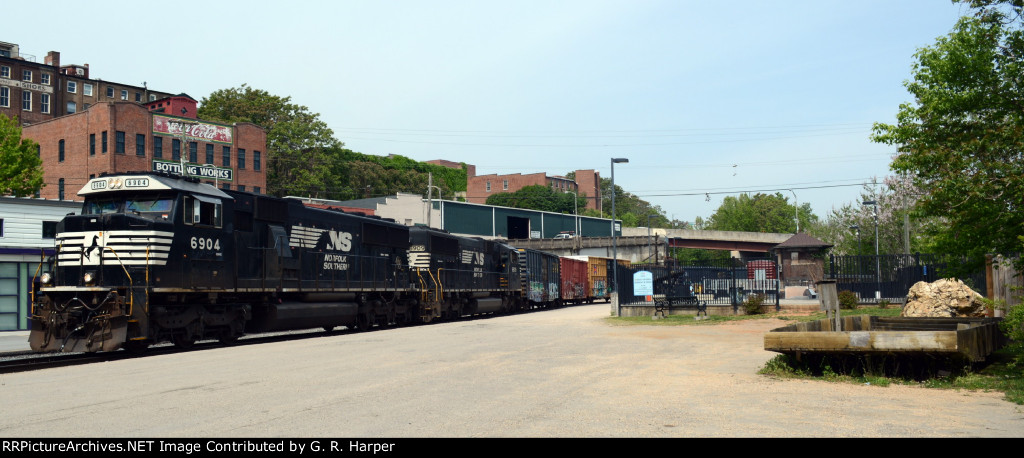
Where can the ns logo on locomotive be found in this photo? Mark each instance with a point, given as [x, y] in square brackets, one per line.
[157, 257]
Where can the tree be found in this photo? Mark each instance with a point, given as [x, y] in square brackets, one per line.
[299, 144]
[538, 197]
[851, 227]
[961, 139]
[760, 213]
[21, 170]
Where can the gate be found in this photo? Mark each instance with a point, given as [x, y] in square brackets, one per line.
[718, 283]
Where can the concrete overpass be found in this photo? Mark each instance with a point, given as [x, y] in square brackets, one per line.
[637, 246]
[760, 242]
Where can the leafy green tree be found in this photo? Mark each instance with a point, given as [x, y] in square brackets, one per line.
[758, 213]
[21, 170]
[961, 138]
[299, 144]
[538, 197]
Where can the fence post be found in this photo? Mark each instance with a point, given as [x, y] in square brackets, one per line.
[829, 302]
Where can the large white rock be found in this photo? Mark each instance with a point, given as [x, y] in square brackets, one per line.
[943, 298]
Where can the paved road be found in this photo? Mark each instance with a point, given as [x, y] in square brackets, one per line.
[560, 373]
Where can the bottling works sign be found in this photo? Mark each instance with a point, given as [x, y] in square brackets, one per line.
[206, 171]
[192, 129]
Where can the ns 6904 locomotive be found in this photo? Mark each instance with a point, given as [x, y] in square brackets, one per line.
[154, 258]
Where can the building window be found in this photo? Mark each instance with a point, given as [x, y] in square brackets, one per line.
[87, 89]
[110, 92]
[504, 185]
[256, 160]
[138, 96]
[92, 144]
[26, 100]
[241, 158]
[72, 108]
[226, 159]
[241, 187]
[140, 144]
[5, 96]
[225, 186]
[5, 71]
[103, 142]
[119, 142]
[488, 186]
[193, 152]
[152, 97]
[44, 78]
[256, 189]
[209, 154]
[60, 189]
[176, 149]
[44, 103]
[49, 229]
[26, 75]
[158, 147]
[124, 94]
[72, 87]
[60, 150]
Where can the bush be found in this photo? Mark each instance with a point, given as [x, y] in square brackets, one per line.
[883, 304]
[752, 305]
[847, 300]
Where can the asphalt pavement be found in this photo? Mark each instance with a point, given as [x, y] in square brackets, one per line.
[17, 341]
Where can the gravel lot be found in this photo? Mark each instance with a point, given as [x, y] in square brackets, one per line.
[561, 373]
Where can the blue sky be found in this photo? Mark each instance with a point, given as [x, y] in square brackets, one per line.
[705, 99]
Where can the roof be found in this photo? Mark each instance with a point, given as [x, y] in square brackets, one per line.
[802, 240]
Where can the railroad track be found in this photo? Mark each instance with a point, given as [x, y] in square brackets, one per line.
[28, 361]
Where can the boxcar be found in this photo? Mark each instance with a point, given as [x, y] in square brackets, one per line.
[540, 273]
[574, 280]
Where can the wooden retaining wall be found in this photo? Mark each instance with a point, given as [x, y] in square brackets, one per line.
[974, 338]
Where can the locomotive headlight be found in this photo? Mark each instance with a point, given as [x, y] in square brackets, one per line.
[45, 278]
[88, 278]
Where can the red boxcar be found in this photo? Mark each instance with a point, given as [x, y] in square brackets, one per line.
[767, 269]
[574, 281]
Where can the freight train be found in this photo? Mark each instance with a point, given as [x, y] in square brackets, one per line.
[156, 257]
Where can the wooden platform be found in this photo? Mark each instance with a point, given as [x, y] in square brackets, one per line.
[973, 338]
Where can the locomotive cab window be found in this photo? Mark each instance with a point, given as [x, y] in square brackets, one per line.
[148, 206]
[202, 211]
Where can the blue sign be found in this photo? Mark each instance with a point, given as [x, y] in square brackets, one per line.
[643, 283]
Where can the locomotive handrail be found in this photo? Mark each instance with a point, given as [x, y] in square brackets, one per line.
[440, 286]
[131, 283]
[42, 254]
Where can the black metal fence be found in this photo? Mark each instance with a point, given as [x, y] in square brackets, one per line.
[718, 283]
[890, 277]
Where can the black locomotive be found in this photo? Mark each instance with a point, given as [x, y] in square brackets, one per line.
[154, 258]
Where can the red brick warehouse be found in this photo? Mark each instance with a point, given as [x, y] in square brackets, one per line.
[119, 136]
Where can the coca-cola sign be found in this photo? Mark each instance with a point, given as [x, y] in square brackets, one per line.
[192, 129]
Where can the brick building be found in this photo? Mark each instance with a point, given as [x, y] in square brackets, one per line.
[35, 92]
[125, 136]
[586, 184]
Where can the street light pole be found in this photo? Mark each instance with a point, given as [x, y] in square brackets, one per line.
[615, 238]
[796, 203]
[878, 262]
[856, 229]
[649, 243]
